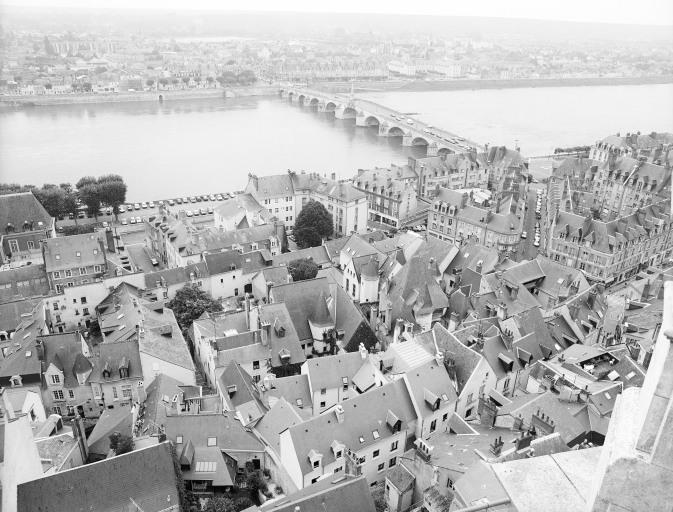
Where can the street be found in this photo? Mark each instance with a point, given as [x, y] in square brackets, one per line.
[526, 249]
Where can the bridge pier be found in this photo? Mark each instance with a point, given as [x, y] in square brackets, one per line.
[322, 106]
[432, 150]
[407, 140]
[360, 119]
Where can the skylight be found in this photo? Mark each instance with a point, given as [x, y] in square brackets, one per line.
[362, 439]
[375, 433]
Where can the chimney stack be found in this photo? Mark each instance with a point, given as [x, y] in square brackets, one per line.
[339, 412]
[480, 266]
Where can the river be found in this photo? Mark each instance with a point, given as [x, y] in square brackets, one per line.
[197, 146]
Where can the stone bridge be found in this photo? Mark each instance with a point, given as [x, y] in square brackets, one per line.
[389, 122]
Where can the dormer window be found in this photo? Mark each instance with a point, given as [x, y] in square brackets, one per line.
[78, 254]
[16, 380]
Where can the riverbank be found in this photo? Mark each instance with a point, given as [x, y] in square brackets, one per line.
[145, 96]
[461, 84]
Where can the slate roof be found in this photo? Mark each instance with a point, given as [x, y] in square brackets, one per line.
[23, 360]
[246, 399]
[292, 389]
[230, 434]
[272, 186]
[281, 416]
[219, 477]
[22, 283]
[61, 253]
[363, 414]
[336, 494]
[65, 352]
[400, 477]
[20, 207]
[313, 182]
[112, 420]
[278, 317]
[317, 254]
[430, 382]
[111, 355]
[328, 371]
[146, 475]
[10, 312]
[175, 276]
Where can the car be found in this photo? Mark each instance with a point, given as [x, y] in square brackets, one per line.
[151, 204]
[219, 197]
[105, 224]
[211, 197]
[189, 213]
[122, 208]
[410, 121]
[192, 199]
[202, 211]
[154, 261]
[124, 222]
[524, 234]
[185, 200]
[138, 220]
[178, 200]
[210, 209]
[144, 204]
[204, 198]
[536, 243]
[136, 206]
[171, 202]
[132, 220]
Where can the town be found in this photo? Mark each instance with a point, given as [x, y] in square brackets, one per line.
[441, 334]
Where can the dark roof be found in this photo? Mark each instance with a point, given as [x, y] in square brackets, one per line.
[23, 282]
[112, 420]
[18, 208]
[73, 251]
[65, 352]
[111, 355]
[317, 254]
[336, 494]
[230, 434]
[245, 390]
[146, 476]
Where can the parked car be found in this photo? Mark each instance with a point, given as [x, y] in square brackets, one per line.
[138, 220]
[202, 211]
[219, 197]
[144, 204]
[171, 202]
[132, 220]
[210, 209]
[536, 243]
[152, 204]
[124, 222]
[211, 197]
[122, 208]
[179, 200]
[189, 213]
[524, 234]
[154, 261]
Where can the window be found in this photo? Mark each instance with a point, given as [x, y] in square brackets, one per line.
[71, 393]
[392, 462]
[178, 439]
[255, 365]
[85, 311]
[236, 292]
[13, 246]
[381, 466]
[97, 268]
[338, 454]
[445, 417]
[31, 244]
[212, 441]
[55, 306]
[375, 454]
[316, 463]
[322, 404]
[55, 379]
[71, 410]
[344, 381]
[126, 391]
[58, 394]
[323, 391]
[393, 446]
[336, 470]
[83, 300]
[433, 425]
[82, 271]
[114, 392]
[315, 479]
[57, 275]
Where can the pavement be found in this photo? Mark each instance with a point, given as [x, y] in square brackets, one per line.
[141, 259]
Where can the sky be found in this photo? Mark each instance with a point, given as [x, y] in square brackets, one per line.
[642, 12]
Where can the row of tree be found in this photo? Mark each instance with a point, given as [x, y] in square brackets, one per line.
[62, 200]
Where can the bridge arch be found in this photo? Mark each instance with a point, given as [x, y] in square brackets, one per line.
[290, 95]
[301, 98]
[444, 151]
[350, 112]
[314, 102]
[395, 131]
[330, 106]
[372, 121]
[419, 141]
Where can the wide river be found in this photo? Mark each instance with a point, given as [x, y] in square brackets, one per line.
[198, 146]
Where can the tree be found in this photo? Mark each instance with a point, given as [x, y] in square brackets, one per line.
[185, 80]
[379, 498]
[190, 303]
[120, 443]
[149, 82]
[312, 225]
[112, 191]
[302, 269]
[52, 198]
[163, 81]
[89, 194]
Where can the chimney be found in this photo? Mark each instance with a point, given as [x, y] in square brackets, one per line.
[39, 347]
[7, 405]
[333, 176]
[591, 298]
[373, 317]
[80, 435]
[339, 412]
[266, 328]
[514, 291]
[247, 310]
[363, 351]
[480, 266]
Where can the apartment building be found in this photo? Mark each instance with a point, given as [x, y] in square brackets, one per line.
[74, 260]
[25, 223]
[455, 219]
[615, 250]
[452, 171]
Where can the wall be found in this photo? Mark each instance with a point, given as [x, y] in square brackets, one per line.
[482, 378]
[152, 366]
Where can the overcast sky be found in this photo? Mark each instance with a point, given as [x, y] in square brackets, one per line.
[647, 12]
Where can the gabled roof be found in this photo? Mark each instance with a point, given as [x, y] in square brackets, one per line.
[363, 415]
[65, 352]
[244, 397]
[146, 476]
[23, 359]
[281, 416]
[430, 383]
[317, 254]
[111, 421]
[22, 283]
[16, 209]
[336, 494]
[111, 356]
[328, 371]
[74, 251]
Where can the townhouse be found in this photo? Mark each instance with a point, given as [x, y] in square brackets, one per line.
[239, 212]
[455, 219]
[25, 224]
[284, 196]
[452, 171]
[363, 436]
[610, 252]
[74, 260]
